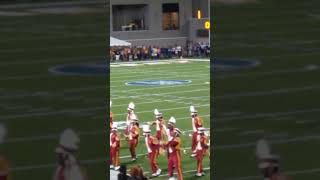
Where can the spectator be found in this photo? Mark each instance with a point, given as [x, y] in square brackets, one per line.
[136, 173]
[191, 50]
[123, 173]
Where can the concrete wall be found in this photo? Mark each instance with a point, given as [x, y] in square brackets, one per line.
[194, 25]
[155, 34]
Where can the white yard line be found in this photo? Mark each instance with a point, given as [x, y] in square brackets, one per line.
[268, 114]
[58, 93]
[160, 73]
[123, 72]
[271, 73]
[154, 100]
[279, 142]
[50, 137]
[269, 92]
[159, 94]
[68, 111]
[163, 110]
[54, 60]
[189, 77]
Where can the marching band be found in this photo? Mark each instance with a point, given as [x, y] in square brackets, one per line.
[167, 139]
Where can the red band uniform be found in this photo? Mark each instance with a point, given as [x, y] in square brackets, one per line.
[133, 138]
[114, 148]
[174, 155]
[153, 146]
[197, 122]
[201, 149]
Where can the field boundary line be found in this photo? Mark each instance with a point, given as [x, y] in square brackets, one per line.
[159, 87]
[159, 94]
[163, 110]
[200, 77]
[269, 92]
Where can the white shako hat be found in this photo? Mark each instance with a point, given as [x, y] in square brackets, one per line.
[68, 141]
[110, 104]
[263, 153]
[114, 127]
[157, 113]
[131, 106]
[146, 128]
[193, 110]
[172, 120]
[3, 133]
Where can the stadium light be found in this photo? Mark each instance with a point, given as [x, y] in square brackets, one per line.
[199, 14]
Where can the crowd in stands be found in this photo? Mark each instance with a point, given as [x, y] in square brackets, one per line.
[199, 50]
[136, 173]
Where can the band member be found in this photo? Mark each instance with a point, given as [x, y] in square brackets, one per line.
[201, 150]
[130, 114]
[68, 167]
[160, 125]
[114, 148]
[152, 145]
[268, 163]
[196, 123]
[4, 165]
[133, 137]
[171, 126]
[173, 145]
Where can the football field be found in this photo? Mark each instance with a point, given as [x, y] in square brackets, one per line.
[138, 83]
[276, 99]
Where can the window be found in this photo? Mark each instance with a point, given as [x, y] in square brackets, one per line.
[202, 33]
[129, 17]
[170, 16]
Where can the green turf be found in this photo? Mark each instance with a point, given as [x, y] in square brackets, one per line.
[170, 100]
[281, 34]
[35, 103]
[273, 100]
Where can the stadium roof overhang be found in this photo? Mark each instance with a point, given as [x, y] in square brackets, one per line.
[114, 42]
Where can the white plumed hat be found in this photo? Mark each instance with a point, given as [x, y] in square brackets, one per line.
[131, 106]
[69, 139]
[172, 120]
[146, 128]
[157, 113]
[193, 109]
[263, 153]
[114, 126]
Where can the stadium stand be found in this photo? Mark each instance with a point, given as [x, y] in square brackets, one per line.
[199, 50]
